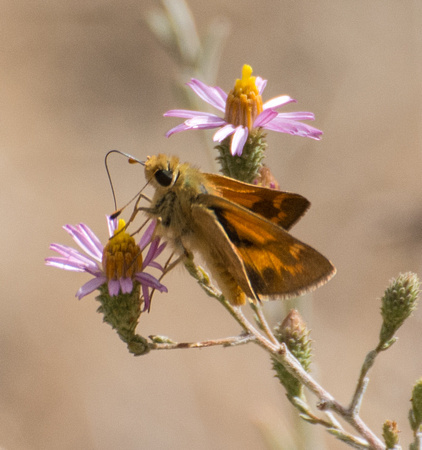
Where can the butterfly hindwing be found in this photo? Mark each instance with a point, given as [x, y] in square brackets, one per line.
[224, 253]
[276, 263]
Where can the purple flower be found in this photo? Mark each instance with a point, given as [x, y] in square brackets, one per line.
[118, 264]
[243, 112]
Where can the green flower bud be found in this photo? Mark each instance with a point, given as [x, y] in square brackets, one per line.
[138, 345]
[122, 312]
[293, 332]
[415, 414]
[390, 433]
[398, 303]
[245, 167]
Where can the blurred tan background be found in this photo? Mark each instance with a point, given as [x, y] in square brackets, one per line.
[80, 78]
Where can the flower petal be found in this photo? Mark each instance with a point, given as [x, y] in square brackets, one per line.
[238, 141]
[147, 279]
[63, 263]
[260, 84]
[293, 127]
[72, 255]
[93, 239]
[147, 298]
[72, 264]
[298, 115]
[222, 133]
[112, 225]
[265, 117]
[177, 129]
[223, 95]
[90, 286]
[153, 252]
[276, 102]
[126, 285]
[205, 122]
[156, 265]
[66, 251]
[161, 248]
[83, 240]
[185, 113]
[146, 237]
[113, 287]
[209, 94]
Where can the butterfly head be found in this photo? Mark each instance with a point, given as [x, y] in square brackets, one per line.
[162, 171]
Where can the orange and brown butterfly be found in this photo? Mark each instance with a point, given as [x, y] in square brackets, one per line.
[239, 229]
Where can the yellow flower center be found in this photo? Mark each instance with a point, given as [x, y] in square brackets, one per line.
[244, 102]
[122, 258]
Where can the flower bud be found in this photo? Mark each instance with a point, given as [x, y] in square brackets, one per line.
[390, 433]
[398, 303]
[293, 332]
[415, 413]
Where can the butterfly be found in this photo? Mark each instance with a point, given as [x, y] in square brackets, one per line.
[239, 229]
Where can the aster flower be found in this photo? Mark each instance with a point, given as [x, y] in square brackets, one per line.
[243, 111]
[118, 265]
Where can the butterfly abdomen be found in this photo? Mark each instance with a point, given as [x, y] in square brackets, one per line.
[226, 282]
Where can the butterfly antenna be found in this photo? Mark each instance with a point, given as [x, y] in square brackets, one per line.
[131, 160]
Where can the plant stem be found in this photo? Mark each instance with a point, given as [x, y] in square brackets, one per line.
[327, 401]
[283, 355]
[225, 342]
[257, 308]
[362, 381]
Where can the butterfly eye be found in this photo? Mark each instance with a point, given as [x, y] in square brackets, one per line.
[164, 177]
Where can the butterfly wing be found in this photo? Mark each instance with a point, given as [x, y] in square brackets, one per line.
[282, 208]
[276, 264]
[220, 254]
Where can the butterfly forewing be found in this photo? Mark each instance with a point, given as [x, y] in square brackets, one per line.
[281, 208]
